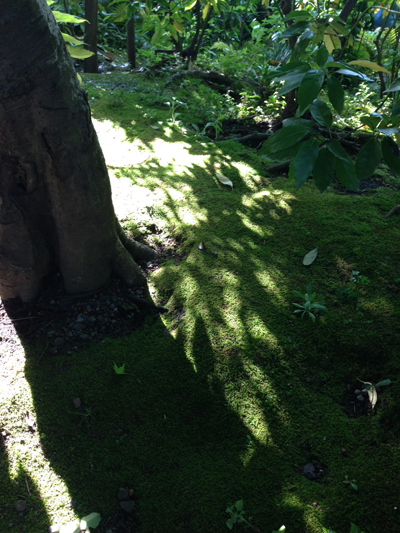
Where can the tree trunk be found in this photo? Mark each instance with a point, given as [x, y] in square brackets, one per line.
[131, 45]
[55, 196]
[347, 9]
[91, 64]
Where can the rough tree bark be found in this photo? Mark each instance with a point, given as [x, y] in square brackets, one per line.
[55, 197]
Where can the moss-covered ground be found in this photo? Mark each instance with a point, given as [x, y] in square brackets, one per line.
[229, 395]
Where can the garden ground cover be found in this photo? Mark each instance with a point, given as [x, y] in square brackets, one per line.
[229, 395]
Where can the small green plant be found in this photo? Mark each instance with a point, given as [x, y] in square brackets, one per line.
[347, 294]
[250, 441]
[351, 482]
[120, 370]
[173, 105]
[87, 416]
[356, 278]
[237, 515]
[371, 389]
[309, 306]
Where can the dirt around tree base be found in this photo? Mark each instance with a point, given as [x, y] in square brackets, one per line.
[66, 321]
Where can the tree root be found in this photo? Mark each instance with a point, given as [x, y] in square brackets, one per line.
[250, 137]
[394, 211]
[139, 251]
[214, 77]
[277, 168]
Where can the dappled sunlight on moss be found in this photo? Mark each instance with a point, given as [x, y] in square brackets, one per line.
[29, 467]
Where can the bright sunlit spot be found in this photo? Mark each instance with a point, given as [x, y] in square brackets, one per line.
[28, 466]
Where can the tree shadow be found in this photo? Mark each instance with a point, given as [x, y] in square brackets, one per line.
[165, 430]
[21, 501]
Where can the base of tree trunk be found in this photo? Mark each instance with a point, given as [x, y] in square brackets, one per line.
[56, 211]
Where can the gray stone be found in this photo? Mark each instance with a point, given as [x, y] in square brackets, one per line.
[360, 398]
[51, 333]
[78, 326]
[309, 471]
[123, 495]
[77, 402]
[58, 341]
[21, 506]
[309, 468]
[127, 506]
[54, 529]
[85, 337]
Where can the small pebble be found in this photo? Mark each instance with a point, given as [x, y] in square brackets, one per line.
[127, 506]
[77, 402]
[58, 341]
[21, 506]
[123, 495]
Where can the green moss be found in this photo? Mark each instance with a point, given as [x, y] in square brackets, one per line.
[242, 394]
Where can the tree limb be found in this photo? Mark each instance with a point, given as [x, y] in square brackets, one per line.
[215, 77]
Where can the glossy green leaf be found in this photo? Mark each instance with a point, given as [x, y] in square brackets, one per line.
[388, 131]
[344, 166]
[394, 87]
[309, 89]
[302, 42]
[298, 15]
[321, 113]
[295, 29]
[391, 154]
[281, 73]
[296, 121]
[287, 153]
[91, 520]
[310, 257]
[368, 158]
[70, 39]
[321, 57]
[302, 165]
[335, 93]
[286, 75]
[339, 28]
[293, 81]
[79, 53]
[369, 64]
[283, 139]
[348, 72]
[119, 369]
[396, 109]
[337, 150]
[65, 18]
[323, 169]
[239, 505]
[371, 121]
[383, 383]
[346, 173]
